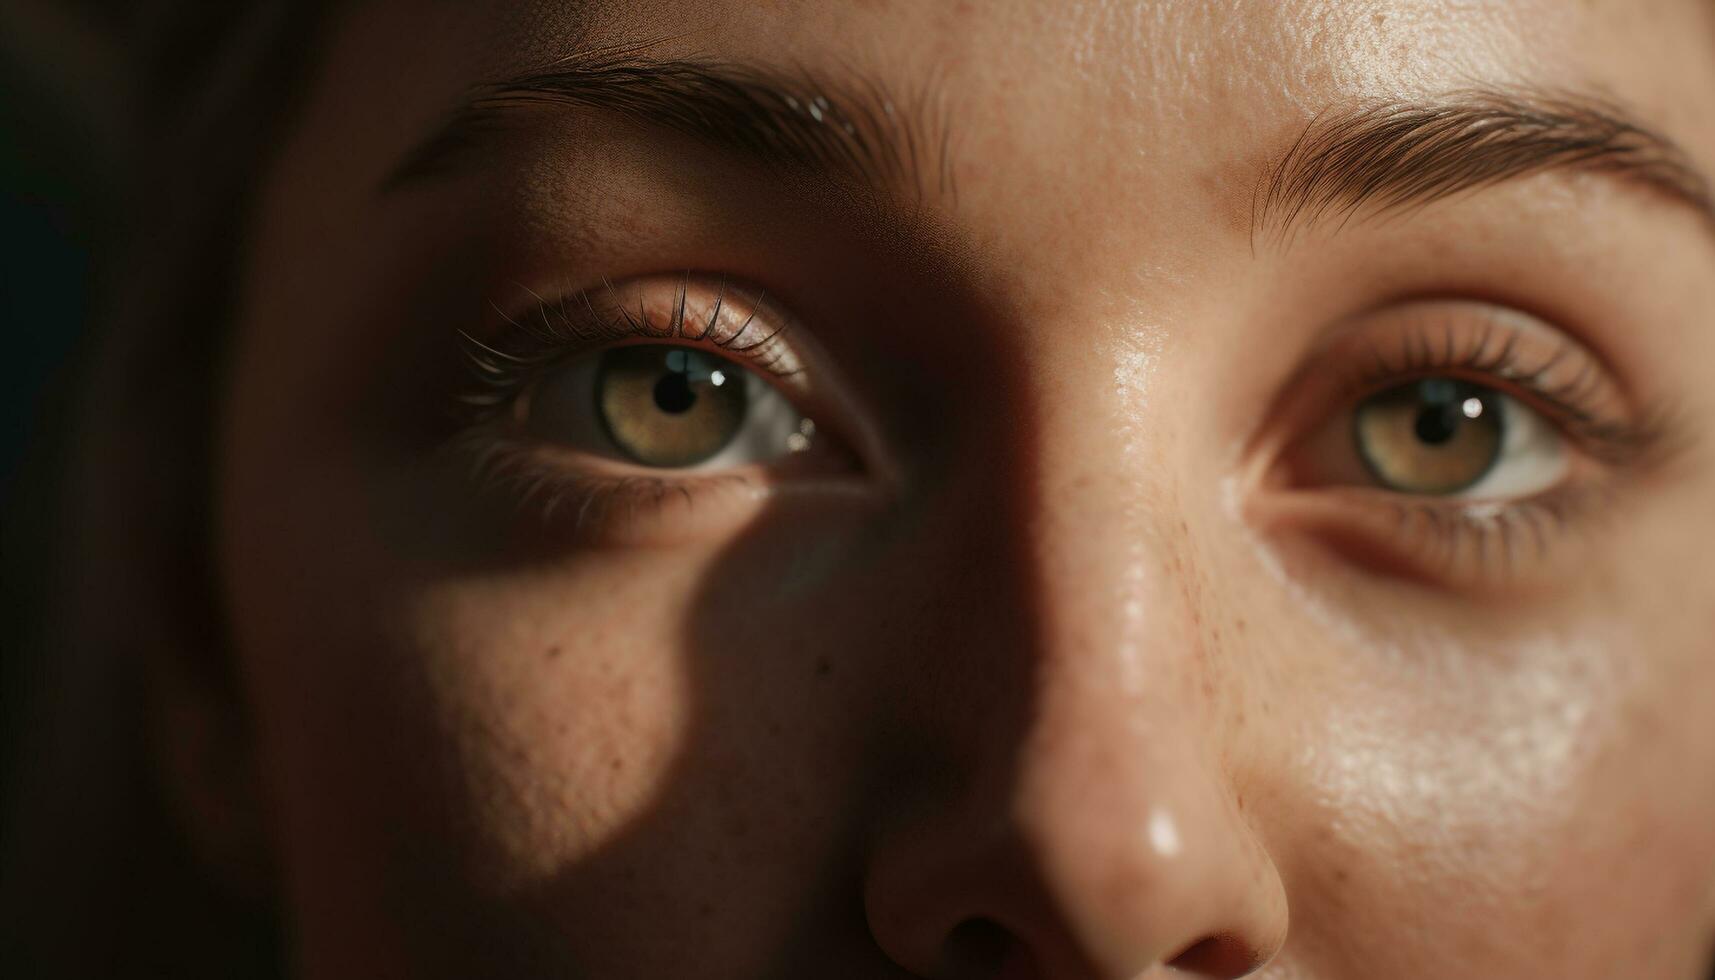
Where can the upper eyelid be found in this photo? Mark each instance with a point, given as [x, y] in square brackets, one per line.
[1484, 342]
[1499, 367]
[737, 321]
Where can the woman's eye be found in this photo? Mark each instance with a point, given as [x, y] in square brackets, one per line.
[1447, 437]
[1442, 439]
[665, 406]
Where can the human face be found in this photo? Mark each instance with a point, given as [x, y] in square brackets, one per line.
[1247, 519]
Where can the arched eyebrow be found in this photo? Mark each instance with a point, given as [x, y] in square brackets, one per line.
[853, 130]
[1384, 156]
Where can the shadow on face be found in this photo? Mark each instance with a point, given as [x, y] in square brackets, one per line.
[1002, 719]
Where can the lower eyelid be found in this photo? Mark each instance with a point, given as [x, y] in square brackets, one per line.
[595, 508]
[1451, 543]
[590, 502]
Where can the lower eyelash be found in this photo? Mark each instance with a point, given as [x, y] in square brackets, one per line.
[1489, 538]
[601, 504]
[1463, 544]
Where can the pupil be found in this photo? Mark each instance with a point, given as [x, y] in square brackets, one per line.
[673, 393]
[1442, 400]
[1437, 424]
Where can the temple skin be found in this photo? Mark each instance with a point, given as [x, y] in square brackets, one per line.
[1045, 677]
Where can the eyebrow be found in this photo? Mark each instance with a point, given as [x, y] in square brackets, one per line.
[855, 131]
[1387, 156]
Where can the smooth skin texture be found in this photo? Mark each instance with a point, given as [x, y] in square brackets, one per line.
[1052, 680]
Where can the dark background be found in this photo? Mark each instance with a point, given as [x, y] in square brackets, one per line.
[61, 129]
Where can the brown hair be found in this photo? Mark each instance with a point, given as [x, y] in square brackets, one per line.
[100, 878]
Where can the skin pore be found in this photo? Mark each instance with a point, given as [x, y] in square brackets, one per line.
[1073, 640]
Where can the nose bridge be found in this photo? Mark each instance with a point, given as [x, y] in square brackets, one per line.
[1115, 611]
[1120, 801]
[1105, 528]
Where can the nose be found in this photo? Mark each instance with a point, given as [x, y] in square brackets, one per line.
[1113, 852]
[1100, 838]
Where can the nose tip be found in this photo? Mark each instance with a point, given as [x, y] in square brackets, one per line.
[1138, 873]
[1080, 882]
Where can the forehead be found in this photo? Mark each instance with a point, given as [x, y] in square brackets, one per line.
[1145, 56]
[1128, 86]
[1165, 110]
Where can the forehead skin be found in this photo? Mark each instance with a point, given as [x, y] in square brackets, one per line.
[1176, 106]
[1506, 794]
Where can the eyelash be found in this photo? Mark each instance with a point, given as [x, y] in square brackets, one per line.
[1571, 404]
[526, 347]
[570, 327]
[1490, 538]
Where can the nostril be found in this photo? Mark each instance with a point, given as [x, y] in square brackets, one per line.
[982, 949]
[1218, 957]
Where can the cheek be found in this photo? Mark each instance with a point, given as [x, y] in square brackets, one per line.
[1542, 807]
[442, 734]
[637, 739]
[535, 759]
[561, 701]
